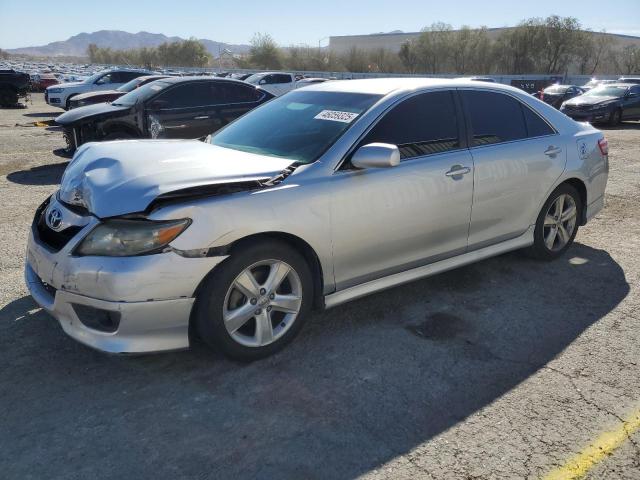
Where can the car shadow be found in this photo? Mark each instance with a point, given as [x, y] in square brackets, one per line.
[364, 382]
[43, 114]
[626, 125]
[49, 174]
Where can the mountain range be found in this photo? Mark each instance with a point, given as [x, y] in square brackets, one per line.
[76, 46]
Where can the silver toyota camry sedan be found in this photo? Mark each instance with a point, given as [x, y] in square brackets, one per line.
[321, 196]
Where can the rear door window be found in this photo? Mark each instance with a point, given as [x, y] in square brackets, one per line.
[424, 124]
[494, 117]
[239, 93]
[536, 126]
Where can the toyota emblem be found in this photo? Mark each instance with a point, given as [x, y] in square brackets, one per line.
[54, 219]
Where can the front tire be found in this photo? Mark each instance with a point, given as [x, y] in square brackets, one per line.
[255, 302]
[557, 223]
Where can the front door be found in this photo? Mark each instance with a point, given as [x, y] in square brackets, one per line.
[389, 220]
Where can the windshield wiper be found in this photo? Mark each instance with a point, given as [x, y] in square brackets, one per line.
[282, 175]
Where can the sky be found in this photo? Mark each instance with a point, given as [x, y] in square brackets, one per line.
[37, 22]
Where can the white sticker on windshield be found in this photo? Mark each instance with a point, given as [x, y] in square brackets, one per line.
[336, 116]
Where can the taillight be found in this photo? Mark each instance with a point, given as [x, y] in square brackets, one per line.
[603, 144]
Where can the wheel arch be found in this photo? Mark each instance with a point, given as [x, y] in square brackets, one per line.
[295, 242]
[580, 186]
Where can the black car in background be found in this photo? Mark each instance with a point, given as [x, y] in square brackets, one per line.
[609, 103]
[555, 95]
[184, 107]
[13, 86]
[101, 96]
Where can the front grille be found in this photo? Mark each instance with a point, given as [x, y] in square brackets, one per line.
[54, 240]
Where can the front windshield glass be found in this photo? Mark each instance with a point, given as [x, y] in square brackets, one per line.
[299, 125]
[555, 89]
[130, 85]
[141, 94]
[94, 77]
[606, 91]
[254, 79]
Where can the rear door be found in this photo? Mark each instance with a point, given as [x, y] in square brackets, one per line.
[517, 156]
[182, 111]
[632, 103]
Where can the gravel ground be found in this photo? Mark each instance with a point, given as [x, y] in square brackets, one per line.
[502, 369]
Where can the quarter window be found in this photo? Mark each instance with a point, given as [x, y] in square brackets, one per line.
[536, 126]
[421, 125]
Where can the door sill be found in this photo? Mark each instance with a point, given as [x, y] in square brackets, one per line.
[367, 288]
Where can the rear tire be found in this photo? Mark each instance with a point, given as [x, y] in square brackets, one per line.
[255, 302]
[557, 223]
[615, 118]
[118, 136]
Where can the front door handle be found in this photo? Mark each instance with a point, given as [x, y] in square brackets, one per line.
[202, 117]
[552, 151]
[457, 170]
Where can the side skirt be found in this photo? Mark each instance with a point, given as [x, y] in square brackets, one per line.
[358, 291]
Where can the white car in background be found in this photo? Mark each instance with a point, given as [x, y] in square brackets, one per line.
[59, 95]
[276, 83]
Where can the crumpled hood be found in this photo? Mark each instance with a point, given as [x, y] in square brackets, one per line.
[589, 100]
[89, 112]
[121, 177]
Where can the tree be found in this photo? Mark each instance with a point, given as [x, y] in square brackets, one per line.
[264, 52]
[355, 60]
[434, 47]
[409, 56]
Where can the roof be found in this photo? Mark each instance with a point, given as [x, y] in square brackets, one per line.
[202, 78]
[384, 86]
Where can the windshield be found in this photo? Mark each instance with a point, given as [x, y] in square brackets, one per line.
[556, 89]
[606, 91]
[130, 85]
[94, 77]
[299, 125]
[141, 94]
[254, 79]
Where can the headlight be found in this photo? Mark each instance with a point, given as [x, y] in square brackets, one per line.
[54, 90]
[126, 238]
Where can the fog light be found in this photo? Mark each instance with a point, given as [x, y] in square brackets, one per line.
[97, 319]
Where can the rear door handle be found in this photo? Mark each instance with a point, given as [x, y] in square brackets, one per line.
[552, 151]
[457, 170]
[203, 117]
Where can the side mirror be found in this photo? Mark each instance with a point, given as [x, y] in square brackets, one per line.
[376, 155]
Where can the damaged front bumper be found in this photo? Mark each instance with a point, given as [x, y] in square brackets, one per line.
[114, 304]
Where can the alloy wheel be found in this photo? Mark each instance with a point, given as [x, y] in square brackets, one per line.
[560, 222]
[262, 303]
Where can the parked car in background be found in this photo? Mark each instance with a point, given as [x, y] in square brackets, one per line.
[318, 197]
[40, 82]
[609, 103]
[276, 83]
[60, 95]
[594, 82]
[478, 79]
[303, 82]
[634, 80]
[13, 86]
[101, 96]
[554, 95]
[241, 76]
[173, 107]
